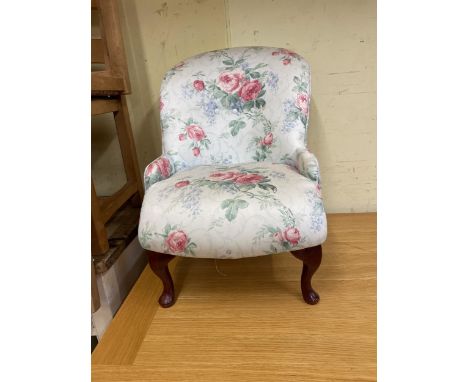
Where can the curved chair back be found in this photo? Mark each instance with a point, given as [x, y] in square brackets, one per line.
[236, 105]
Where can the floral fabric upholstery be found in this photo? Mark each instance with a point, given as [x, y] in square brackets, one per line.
[233, 211]
[235, 106]
[235, 178]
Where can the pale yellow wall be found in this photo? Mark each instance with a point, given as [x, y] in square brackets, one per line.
[337, 37]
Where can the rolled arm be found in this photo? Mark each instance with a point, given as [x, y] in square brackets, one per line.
[161, 168]
[307, 165]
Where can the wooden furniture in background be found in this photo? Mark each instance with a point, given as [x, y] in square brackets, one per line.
[114, 218]
[110, 51]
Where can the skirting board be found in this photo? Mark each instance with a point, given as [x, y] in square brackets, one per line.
[115, 284]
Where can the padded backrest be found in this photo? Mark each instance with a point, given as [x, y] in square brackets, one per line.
[236, 105]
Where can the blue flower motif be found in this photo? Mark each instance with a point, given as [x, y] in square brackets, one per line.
[272, 80]
[277, 174]
[188, 91]
[210, 108]
[221, 160]
[316, 223]
[191, 200]
[289, 122]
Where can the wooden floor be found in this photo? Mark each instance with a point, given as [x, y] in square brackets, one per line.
[246, 321]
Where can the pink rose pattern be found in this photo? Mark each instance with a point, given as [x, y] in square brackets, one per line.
[268, 140]
[239, 89]
[238, 177]
[182, 183]
[199, 85]
[232, 81]
[286, 55]
[176, 241]
[292, 235]
[221, 176]
[286, 239]
[302, 103]
[160, 168]
[264, 145]
[298, 109]
[196, 136]
[164, 166]
[195, 132]
[249, 179]
[250, 90]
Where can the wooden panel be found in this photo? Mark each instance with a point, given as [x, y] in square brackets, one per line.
[110, 204]
[244, 320]
[99, 244]
[103, 82]
[97, 51]
[102, 106]
[94, 4]
[111, 32]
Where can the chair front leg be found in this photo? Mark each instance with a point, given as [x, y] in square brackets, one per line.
[159, 264]
[311, 258]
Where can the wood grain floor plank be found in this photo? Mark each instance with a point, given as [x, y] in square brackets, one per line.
[123, 338]
[117, 373]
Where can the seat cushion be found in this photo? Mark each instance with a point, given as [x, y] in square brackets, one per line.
[233, 211]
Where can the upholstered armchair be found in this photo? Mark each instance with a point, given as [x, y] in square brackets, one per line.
[235, 178]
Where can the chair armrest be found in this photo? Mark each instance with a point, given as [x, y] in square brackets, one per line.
[307, 165]
[161, 168]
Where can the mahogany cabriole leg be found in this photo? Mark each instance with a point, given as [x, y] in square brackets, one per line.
[311, 258]
[159, 264]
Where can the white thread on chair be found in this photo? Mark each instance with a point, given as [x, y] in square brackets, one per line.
[217, 269]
